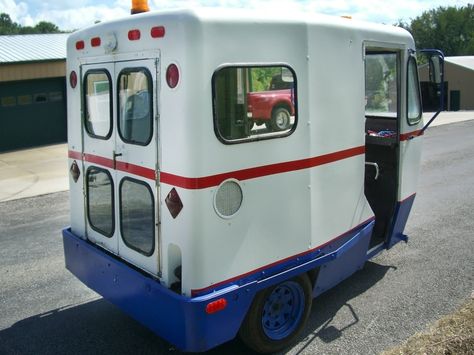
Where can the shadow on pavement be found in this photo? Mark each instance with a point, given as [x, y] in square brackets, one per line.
[98, 327]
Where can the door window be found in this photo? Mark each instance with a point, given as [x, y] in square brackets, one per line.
[381, 90]
[100, 204]
[137, 216]
[135, 106]
[413, 92]
[98, 104]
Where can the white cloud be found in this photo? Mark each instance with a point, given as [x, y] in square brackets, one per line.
[14, 9]
[74, 14]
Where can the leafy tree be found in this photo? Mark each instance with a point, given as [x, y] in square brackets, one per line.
[8, 27]
[450, 29]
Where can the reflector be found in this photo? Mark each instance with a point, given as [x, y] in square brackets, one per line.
[216, 306]
[157, 32]
[95, 42]
[80, 45]
[172, 76]
[74, 171]
[173, 202]
[73, 79]
[134, 35]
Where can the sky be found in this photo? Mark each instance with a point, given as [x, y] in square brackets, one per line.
[77, 14]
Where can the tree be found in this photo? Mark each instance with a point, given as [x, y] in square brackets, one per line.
[450, 29]
[8, 27]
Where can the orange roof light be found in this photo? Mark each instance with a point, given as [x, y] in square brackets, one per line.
[139, 6]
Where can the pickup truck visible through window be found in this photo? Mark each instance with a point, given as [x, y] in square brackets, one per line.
[254, 103]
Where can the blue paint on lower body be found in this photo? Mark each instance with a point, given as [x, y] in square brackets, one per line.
[181, 320]
[400, 219]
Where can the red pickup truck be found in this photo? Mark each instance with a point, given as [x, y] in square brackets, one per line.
[273, 107]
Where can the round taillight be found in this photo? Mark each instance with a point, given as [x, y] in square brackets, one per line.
[172, 76]
[73, 79]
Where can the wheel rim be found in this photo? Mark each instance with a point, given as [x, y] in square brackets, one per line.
[283, 310]
[282, 120]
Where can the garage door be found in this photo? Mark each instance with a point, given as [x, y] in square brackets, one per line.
[32, 113]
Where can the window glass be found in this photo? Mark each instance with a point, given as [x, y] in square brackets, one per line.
[254, 103]
[135, 106]
[137, 216]
[381, 91]
[98, 104]
[413, 100]
[100, 201]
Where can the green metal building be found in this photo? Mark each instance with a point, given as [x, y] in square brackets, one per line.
[32, 90]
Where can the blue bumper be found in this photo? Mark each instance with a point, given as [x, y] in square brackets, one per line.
[180, 320]
[183, 321]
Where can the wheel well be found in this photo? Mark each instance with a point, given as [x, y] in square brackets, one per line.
[281, 105]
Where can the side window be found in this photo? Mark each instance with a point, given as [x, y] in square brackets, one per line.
[413, 93]
[381, 89]
[100, 203]
[137, 216]
[135, 121]
[253, 103]
[98, 104]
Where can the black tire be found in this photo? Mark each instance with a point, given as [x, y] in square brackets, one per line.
[281, 119]
[277, 315]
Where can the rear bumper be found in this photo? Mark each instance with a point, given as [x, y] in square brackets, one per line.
[180, 320]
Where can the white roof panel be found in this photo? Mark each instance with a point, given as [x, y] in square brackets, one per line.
[32, 48]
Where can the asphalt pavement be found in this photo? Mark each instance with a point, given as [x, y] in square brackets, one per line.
[45, 310]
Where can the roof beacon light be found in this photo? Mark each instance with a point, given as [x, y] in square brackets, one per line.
[139, 6]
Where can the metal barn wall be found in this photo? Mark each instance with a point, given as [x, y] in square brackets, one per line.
[460, 79]
[37, 70]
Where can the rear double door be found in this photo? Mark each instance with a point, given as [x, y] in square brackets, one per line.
[120, 159]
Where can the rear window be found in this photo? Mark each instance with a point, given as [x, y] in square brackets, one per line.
[252, 103]
[98, 104]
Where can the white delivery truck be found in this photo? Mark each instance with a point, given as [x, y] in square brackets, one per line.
[227, 167]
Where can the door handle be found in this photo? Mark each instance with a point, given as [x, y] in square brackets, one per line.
[376, 166]
[115, 155]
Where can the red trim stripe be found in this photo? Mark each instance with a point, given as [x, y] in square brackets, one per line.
[260, 171]
[410, 135]
[136, 170]
[195, 292]
[215, 180]
[119, 165]
[74, 155]
[95, 159]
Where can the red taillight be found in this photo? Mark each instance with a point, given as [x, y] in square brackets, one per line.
[95, 42]
[172, 76]
[216, 306]
[80, 45]
[73, 79]
[157, 32]
[173, 202]
[134, 35]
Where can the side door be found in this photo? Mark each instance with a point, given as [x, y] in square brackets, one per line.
[120, 159]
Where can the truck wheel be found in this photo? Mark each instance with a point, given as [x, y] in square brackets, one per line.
[280, 119]
[277, 315]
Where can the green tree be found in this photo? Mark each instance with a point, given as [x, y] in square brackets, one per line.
[8, 27]
[450, 29]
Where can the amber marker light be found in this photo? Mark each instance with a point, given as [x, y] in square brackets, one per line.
[139, 6]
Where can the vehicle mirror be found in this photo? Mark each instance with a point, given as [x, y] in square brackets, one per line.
[432, 82]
